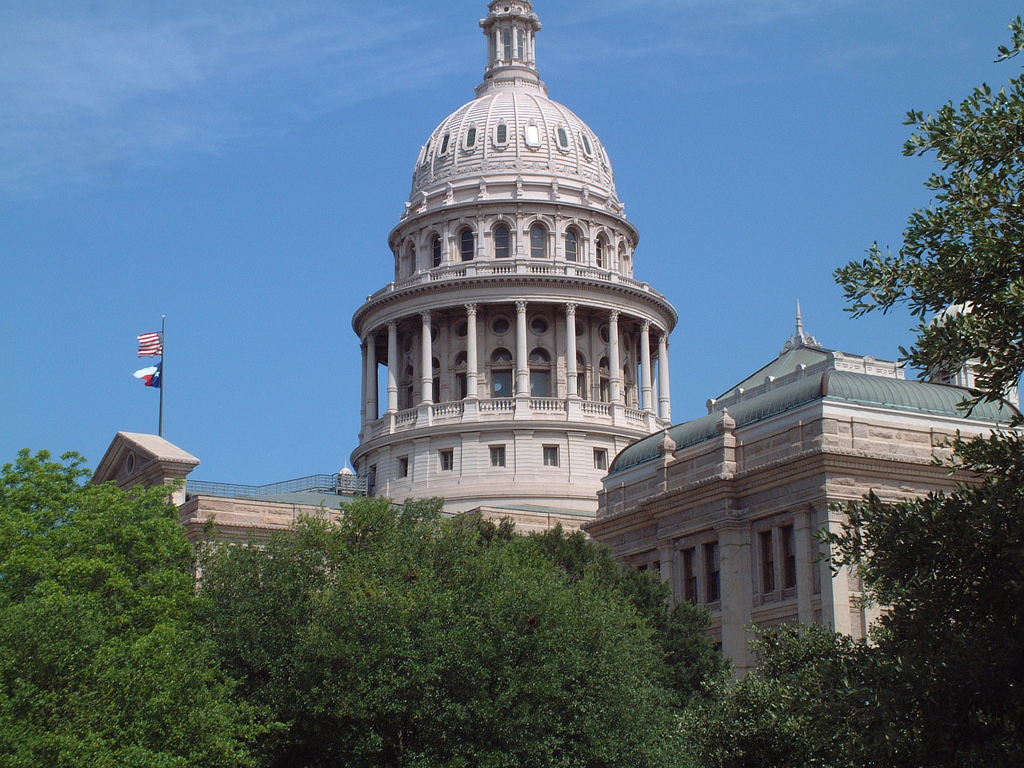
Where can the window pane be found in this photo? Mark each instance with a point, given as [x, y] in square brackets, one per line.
[502, 243]
[506, 44]
[540, 384]
[571, 245]
[501, 383]
[435, 248]
[550, 455]
[502, 133]
[497, 455]
[466, 245]
[538, 242]
[471, 137]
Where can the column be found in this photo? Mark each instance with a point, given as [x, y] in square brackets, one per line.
[522, 363]
[392, 366]
[426, 356]
[646, 400]
[472, 375]
[372, 412]
[804, 552]
[736, 592]
[613, 356]
[664, 401]
[362, 387]
[570, 350]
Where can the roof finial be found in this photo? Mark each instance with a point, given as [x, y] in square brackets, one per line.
[800, 338]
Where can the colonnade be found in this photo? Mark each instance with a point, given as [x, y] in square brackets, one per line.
[521, 360]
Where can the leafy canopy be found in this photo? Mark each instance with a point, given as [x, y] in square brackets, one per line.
[102, 659]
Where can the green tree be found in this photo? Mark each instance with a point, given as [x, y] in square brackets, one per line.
[965, 250]
[102, 659]
[800, 707]
[395, 638]
[944, 683]
[690, 663]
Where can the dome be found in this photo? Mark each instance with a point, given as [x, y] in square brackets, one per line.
[514, 130]
[512, 141]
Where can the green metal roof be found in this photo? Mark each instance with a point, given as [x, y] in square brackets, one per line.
[784, 364]
[896, 394]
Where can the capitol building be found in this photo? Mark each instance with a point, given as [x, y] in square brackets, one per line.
[514, 355]
[516, 368]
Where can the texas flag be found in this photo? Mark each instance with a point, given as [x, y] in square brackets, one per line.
[150, 375]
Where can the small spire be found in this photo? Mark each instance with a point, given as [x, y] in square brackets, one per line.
[800, 338]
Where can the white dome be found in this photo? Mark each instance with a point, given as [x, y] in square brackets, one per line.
[510, 130]
[512, 141]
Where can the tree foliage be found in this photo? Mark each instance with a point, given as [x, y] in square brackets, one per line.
[942, 685]
[397, 638]
[102, 660]
[965, 250]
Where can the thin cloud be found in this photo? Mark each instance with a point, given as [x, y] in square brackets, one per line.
[88, 93]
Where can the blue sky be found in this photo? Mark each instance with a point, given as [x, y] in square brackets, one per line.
[237, 167]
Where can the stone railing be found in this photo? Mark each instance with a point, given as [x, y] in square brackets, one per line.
[507, 267]
[537, 409]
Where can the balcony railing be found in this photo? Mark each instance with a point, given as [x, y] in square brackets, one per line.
[484, 268]
[339, 484]
[537, 409]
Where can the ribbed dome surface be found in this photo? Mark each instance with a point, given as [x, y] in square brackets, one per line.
[514, 130]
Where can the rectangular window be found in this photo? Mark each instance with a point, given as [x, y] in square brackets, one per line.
[501, 383]
[767, 562]
[540, 384]
[689, 575]
[497, 455]
[600, 458]
[712, 585]
[403, 466]
[550, 455]
[788, 557]
[447, 459]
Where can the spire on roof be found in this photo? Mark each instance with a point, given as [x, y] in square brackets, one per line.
[511, 28]
[800, 339]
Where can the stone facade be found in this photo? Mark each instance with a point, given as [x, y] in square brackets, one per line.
[726, 507]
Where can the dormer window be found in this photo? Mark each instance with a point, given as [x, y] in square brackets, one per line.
[471, 137]
[587, 149]
[444, 144]
[426, 152]
[532, 136]
[563, 138]
[501, 134]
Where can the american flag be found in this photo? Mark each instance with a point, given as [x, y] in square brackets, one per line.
[150, 344]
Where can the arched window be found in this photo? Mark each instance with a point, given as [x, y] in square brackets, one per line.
[467, 245]
[502, 242]
[461, 386]
[572, 245]
[435, 251]
[501, 373]
[581, 376]
[408, 387]
[538, 242]
[540, 373]
[435, 384]
[599, 252]
[604, 380]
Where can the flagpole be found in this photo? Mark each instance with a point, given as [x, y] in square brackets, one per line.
[163, 371]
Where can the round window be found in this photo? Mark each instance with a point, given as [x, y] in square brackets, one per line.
[604, 334]
[501, 325]
[129, 465]
[581, 328]
[461, 329]
[539, 325]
